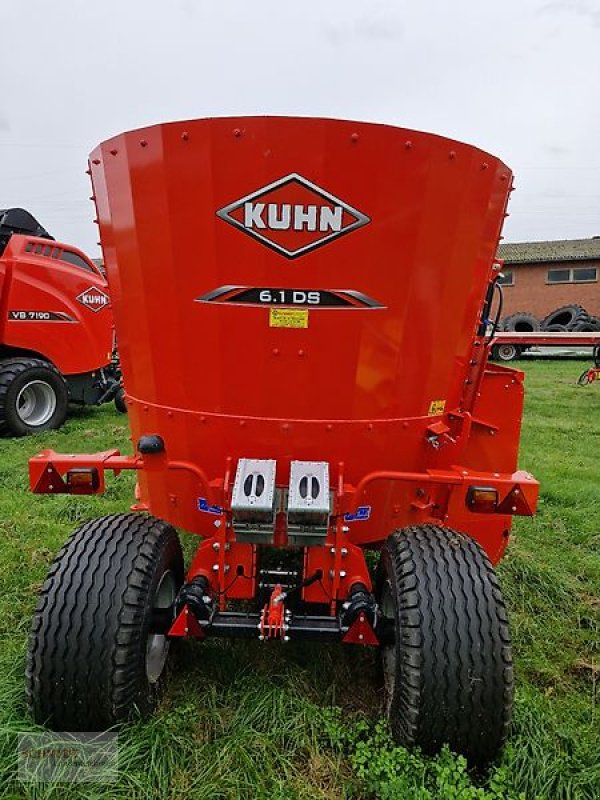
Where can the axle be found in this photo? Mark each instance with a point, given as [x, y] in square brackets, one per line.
[194, 613]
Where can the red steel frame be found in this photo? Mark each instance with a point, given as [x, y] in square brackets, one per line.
[394, 391]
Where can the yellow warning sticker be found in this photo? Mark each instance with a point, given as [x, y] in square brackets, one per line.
[288, 318]
[436, 407]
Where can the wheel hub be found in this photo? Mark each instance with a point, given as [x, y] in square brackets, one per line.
[36, 403]
[506, 352]
[157, 646]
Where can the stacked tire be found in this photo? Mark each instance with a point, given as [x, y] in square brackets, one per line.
[521, 322]
[572, 317]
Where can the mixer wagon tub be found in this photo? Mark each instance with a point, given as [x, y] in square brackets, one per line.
[302, 307]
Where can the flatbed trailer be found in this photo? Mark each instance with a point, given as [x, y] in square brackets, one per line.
[508, 345]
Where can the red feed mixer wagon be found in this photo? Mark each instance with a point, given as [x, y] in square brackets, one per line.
[301, 307]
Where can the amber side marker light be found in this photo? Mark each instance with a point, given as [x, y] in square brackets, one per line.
[482, 499]
[84, 480]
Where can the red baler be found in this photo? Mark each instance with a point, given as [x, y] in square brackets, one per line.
[56, 328]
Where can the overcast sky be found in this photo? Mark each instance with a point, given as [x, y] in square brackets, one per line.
[519, 78]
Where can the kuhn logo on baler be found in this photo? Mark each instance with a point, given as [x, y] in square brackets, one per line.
[94, 299]
[292, 216]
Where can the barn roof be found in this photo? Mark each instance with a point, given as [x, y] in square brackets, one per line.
[559, 250]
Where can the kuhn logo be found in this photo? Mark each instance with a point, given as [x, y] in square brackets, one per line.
[94, 299]
[293, 216]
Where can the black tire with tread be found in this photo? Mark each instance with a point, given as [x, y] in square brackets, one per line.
[555, 328]
[120, 403]
[592, 325]
[453, 670]
[521, 322]
[569, 316]
[15, 373]
[86, 667]
[595, 323]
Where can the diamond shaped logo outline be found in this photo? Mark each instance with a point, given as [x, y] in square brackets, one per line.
[360, 219]
[92, 307]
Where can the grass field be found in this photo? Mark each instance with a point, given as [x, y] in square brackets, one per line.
[252, 721]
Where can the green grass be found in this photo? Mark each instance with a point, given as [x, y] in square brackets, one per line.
[252, 721]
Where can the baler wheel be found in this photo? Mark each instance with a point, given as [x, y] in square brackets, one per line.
[33, 396]
[92, 657]
[120, 403]
[448, 677]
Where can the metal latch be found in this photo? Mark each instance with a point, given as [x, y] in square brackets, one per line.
[438, 435]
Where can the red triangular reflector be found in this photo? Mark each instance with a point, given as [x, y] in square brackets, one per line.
[186, 624]
[515, 502]
[360, 632]
[50, 481]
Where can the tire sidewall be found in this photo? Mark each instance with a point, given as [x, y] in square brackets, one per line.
[120, 403]
[170, 558]
[55, 381]
[386, 575]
